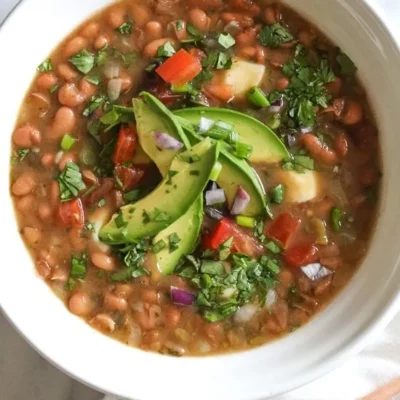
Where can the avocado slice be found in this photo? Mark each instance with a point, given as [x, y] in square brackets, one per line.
[267, 147]
[234, 172]
[183, 184]
[187, 228]
[152, 116]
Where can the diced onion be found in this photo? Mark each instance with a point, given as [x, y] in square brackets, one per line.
[241, 201]
[166, 142]
[270, 298]
[111, 70]
[276, 106]
[316, 271]
[215, 196]
[182, 297]
[58, 157]
[114, 89]
[205, 124]
[306, 129]
[245, 313]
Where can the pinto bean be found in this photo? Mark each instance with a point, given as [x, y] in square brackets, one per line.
[206, 4]
[318, 149]
[47, 159]
[45, 211]
[87, 89]
[74, 46]
[150, 296]
[24, 184]
[103, 261]
[31, 235]
[199, 19]
[63, 122]
[298, 317]
[104, 322]
[247, 52]
[141, 14]
[335, 87]
[282, 83]
[214, 331]
[25, 204]
[80, 304]
[26, 136]
[67, 158]
[353, 113]
[90, 30]
[123, 290]
[43, 268]
[153, 30]
[69, 95]
[248, 37]
[150, 50]
[242, 19]
[54, 194]
[113, 302]
[46, 80]
[67, 72]
[101, 41]
[323, 285]
[341, 144]
[271, 15]
[173, 317]
[126, 81]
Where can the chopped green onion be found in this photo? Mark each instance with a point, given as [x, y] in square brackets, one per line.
[157, 247]
[247, 222]
[215, 171]
[87, 156]
[233, 138]
[257, 97]
[243, 150]
[273, 247]
[67, 142]
[181, 89]
[219, 131]
[337, 219]
[274, 121]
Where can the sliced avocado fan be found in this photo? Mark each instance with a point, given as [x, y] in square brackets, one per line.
[183, 184]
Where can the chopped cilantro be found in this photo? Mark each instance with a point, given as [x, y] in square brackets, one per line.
[179, 25]
[70, 182]
[274, 35]
[119, 220]
[132, 195]
[173, 241]
[95, 80]
[45, 66]
[78, 270]
[83, 61]
[225, 249]
[125, 28]
[53, 88]
[94, 103]
[166, 50]
[19, 155]
[171, 174]
[273, 247]
[194, 172]
[89, 226]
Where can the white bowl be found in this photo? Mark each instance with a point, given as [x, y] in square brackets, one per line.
[366, 305]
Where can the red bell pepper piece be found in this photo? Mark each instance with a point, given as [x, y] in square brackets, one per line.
[242, 241]
[301, 255]
[71, 213]
[283, 228]
[180, 68]
[126, 145]
[129, 176]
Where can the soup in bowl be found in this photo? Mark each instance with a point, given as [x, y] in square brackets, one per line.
[193, 178]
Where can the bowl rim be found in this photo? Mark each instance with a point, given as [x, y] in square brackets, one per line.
[353, 345]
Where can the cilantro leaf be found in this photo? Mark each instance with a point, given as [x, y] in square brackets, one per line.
[70, 182]
[83, 61]
[125, 28]
[94, 103]
[166, 50]
[45, 66]
[274, 35]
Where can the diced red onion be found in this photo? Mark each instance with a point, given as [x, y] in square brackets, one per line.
[205, 124]
[182, 297]
[270, 298]
[215, 196]
[316, 271]
[114, 89]
[166, 142]
[245, 313]
[306, 129]
[276, 106]
[111, 70]
[241, 201]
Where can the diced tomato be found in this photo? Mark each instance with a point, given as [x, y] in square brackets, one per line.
[283, 228]
[206, 241]
[165, 95]
[71, 213]
[100, 192]
[126, 145]
[129, 176]
[300, 255]
[242, 241]
[180, 68]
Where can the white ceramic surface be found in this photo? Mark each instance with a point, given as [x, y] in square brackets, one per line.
[365, 306]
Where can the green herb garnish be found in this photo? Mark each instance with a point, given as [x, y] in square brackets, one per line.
[45, 66]
[125, 28]
[274, 35]
[83, 61]
[70, 182]
[277, 193]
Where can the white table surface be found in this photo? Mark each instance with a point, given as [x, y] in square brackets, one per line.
[24, 375]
